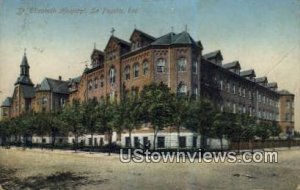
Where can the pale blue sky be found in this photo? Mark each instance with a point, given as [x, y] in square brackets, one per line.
[258, 33]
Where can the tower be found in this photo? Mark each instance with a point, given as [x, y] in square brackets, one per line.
[24, 77]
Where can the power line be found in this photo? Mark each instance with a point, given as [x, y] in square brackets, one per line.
[281, 59]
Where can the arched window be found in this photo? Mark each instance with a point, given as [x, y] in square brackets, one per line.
[90, 83]
[182, 88]
[161, 65]
[112, 75]
[136, 70]
[101, 81]
[145, 67]
[181, 64]
[127, 72]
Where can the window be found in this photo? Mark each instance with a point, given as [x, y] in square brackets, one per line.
[195, 90]
[127, 72]
[101, 81]
[145, 140]
[44, 100]
[145, 67]
[195, 141]
[195, 67]
[160, 65]
[90, 84]
[182, 89]
[160, 142]
[221, 84]
[136, 70]
[127, 141]
[182, 142]
[112, 75]
[233, 89]
[136, 142]
[234, 108]
[181, 64]
[96, 82]
[228, 87]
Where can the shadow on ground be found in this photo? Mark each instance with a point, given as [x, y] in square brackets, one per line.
[58, 180]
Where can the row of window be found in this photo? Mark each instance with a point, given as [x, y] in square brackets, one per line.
[181, 65]
[136, 70]
[238, 108]
[231, 88]
[161, 142]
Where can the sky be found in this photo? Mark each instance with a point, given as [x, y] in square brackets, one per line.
[59, 36]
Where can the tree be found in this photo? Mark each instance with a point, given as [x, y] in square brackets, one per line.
[72, 117]
[220, 126]
[130, 115]
[107, 118]
[4, 131]
[248, 129]
[180, 114]
[200, 119]
[54, 123]
[89, 118]
[263, 131]
[275, 130]
[157, 107]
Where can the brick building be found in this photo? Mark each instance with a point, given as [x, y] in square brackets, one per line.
[123, 68]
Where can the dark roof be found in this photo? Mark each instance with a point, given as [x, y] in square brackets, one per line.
[143, 34]
[123, 42]
[7, 102]
[57, 86]
[212, 55]
[119, 41]
[172, 38]
[261, 80]
[285, 92]
[272, 85]
[247, 73]
[231, 65]
[24, 80]
[28, 91]
[24, 61]
[97, 52]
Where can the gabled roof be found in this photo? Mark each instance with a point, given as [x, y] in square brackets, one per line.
[74, 80]
[57, 86]
[172, 38]
[247, 73]
[28, 91]
[143, 34]
[213, 55]
[272, 85]
[261, 80]
[7, 102]
[119, 41]
[97, 52]
[234, 64]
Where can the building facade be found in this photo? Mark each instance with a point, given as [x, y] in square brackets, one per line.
[124, 68]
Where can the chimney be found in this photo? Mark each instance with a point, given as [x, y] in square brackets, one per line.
[59, 78]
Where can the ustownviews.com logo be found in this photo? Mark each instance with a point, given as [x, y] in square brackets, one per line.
[140, 156]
